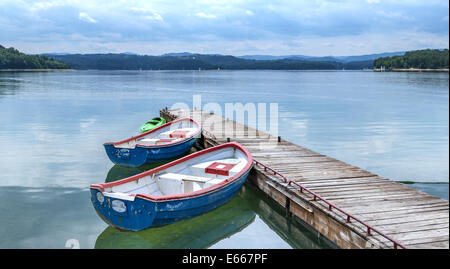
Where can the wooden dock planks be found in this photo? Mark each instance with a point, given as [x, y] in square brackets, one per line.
[411, 217]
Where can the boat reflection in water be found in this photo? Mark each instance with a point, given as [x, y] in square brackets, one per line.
[196, 233]
[208, 229]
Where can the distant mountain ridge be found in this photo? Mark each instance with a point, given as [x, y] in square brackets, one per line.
[343, 59]
[190, 61]
[195, 61]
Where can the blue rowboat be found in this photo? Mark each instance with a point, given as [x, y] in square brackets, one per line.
[182, 189]
[165, 142]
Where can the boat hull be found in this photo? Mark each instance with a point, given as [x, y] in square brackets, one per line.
[141, 155]
[143, 213]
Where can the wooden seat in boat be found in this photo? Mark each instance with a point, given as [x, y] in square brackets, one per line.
[172, 183]
[157, 141]
[179, 133]
[167, 137]
[173, 176]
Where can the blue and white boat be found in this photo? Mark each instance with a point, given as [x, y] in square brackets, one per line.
[182, 189]
[165, 142]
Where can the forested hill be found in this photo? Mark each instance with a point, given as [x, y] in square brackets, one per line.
[13, 59]
[128, 61]
[419, 59]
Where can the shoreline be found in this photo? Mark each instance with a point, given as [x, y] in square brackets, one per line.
[309, 70]
[33, 70]
[412, 70]
[331, 70]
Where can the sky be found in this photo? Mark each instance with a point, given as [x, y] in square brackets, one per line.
[232, 27]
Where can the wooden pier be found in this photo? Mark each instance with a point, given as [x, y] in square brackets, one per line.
[349, 206]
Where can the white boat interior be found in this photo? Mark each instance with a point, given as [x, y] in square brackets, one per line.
[170, 134]
[192, 175]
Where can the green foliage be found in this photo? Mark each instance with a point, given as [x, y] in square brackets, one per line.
[11, 58]
[197, 61]
[423, 59]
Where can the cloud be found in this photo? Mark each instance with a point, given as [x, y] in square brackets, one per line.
[206, 16]
[154, 17]
[249, 12]
[244, 25]
[43, 5]
[147, 13]
[85, 17]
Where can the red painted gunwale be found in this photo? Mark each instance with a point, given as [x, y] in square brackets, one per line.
[101, 187]
[199, 129]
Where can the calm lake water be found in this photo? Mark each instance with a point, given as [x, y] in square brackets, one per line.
[53, 125]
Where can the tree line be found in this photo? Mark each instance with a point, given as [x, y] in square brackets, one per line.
[197, 61]
[421, 59]
[11, 58]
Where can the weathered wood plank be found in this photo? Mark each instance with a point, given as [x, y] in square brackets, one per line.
[391, 230]
[428, 240]
[418, 234]
[393, 207]
[414, 223]
[430, 245]
[350, 203]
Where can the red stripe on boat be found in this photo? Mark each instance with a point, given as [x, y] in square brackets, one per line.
[164, 140]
